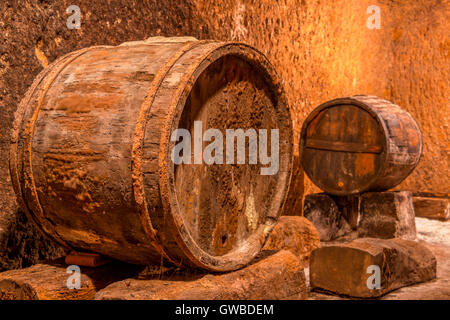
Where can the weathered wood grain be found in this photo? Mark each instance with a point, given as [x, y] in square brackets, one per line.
[91, 152]
[51, 281]
[358, 144]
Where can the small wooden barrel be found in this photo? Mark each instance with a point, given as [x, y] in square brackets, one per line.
[361, 143]
[91, 152]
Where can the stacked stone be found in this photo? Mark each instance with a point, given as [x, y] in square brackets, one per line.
[356, 164]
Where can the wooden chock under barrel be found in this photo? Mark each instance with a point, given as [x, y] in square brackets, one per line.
[86, 259]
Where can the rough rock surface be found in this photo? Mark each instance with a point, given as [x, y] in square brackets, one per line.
[22, 244]
[279, 276]
[387, 215]
[344, 268]
[323, 212]
[432, 208]
[295, 234]
[438, 289]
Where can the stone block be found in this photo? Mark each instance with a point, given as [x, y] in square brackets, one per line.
[432, 208]
[387, 215]
[296, 234]
[322, 210]
[369, 267]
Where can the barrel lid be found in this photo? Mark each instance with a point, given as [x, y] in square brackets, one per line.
[342, 146]
[238, 232]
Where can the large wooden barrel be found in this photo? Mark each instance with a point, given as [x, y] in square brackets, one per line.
[91, 152]
[360, 143]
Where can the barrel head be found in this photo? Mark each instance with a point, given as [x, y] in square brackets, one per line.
[342, 148]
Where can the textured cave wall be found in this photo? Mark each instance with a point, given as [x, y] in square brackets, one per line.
[23, 245]
[33, 33]
[419, 80]
[324, 50]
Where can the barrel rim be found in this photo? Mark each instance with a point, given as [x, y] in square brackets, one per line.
[138, 146]
[241, 256]
[334, 103]
[420, 135]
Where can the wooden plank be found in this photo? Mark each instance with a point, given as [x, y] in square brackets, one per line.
[341, 146]
[432, 208]
[432, 195]
[52, 281]
[86, 259]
